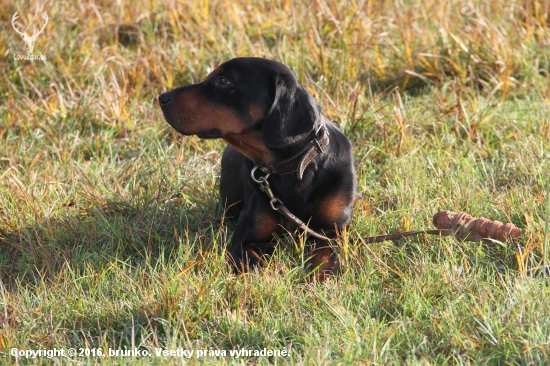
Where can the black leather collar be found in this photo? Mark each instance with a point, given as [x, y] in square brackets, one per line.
[301, 160]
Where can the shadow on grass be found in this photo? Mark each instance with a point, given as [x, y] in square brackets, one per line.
[97, 236]
[138, 250]
[124, 276]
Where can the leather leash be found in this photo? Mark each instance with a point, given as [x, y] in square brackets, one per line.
[277, 205]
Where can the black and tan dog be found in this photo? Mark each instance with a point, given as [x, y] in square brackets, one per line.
[269, 120]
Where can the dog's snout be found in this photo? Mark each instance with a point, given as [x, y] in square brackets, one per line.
[165, 98]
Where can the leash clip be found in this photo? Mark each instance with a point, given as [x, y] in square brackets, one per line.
[264, 186]
[261, 179]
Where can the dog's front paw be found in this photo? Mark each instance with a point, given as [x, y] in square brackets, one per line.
[323, 263]
[245, 257]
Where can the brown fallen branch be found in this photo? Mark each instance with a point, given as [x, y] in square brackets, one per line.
[462, 226]
[466, 227]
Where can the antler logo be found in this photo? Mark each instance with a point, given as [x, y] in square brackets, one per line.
[29, 40]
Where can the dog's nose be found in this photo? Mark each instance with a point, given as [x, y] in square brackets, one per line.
[164, 98]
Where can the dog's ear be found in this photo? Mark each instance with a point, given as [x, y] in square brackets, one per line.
[293, 114]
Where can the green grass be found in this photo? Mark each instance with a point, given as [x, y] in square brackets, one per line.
[109, 230]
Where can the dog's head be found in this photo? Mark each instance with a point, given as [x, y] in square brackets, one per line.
[254, 104]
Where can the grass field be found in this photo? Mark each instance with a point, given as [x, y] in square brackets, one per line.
[109, 237]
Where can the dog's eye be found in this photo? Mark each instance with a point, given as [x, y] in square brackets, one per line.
[224, 81]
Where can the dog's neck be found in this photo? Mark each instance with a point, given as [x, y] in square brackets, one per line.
[251, 145]
[298, 157]
[292, 159]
